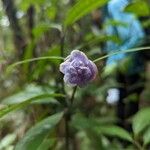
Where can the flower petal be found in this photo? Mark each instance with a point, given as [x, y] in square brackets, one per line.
[63, 66]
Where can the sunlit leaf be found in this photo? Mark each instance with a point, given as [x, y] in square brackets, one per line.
[82, 8]
[140, 8]
[35, 136]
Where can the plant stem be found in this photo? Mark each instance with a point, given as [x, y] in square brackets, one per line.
[67, 132]
[68, 118]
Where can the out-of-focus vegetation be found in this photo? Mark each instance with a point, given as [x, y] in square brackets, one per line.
[35, 36]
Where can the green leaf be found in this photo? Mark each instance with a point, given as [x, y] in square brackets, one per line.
[141, 120]
[82, 8]
[115, 52]
[29, 91]
[146, 137]
[10, 108]
[35, 136]
[114, 131]
[140, 8]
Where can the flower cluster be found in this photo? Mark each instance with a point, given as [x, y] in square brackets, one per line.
[78, 70]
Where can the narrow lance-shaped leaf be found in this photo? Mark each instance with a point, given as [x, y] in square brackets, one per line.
[35, 136]
[25, 103]
[82, 8]
[29, 91]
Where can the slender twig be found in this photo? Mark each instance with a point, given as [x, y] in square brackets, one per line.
[67, 115]
[68, 118]
[120, 52]
[32, 60]
[67, 132]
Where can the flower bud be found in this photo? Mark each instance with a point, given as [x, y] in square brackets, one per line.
[78, 70]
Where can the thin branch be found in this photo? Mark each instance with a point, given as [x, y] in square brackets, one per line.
[120, 52]
[68, 118]
[67, 132]
[35, 59]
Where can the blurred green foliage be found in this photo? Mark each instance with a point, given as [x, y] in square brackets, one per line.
[32, 99]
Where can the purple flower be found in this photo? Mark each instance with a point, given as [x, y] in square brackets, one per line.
[78, 69]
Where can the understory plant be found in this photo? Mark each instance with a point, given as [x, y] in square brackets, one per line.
[59, 93]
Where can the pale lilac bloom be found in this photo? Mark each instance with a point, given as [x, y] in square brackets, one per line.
[78, 70]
